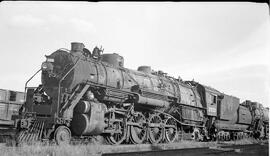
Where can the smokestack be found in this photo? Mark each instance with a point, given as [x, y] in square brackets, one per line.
[77, 47]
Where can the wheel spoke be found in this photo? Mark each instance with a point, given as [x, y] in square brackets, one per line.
[170, 130]
[155, 133]
[117, 138]
[138, 134]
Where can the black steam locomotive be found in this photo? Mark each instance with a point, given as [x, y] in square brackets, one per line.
[86, 94]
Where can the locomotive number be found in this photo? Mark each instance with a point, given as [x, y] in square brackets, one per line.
[212, 110]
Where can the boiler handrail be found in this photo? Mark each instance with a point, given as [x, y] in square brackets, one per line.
[25, 86]
[59, 85]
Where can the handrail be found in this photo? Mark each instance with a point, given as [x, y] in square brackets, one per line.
[59, 85]
[25, 86]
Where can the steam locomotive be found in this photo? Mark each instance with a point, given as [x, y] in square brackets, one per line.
[87, 94]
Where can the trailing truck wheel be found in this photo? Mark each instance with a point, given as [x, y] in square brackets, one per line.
[221, 136]
[155, 131]
[196, 136]
[170, 130]
[235, 136]
[228, 137]
[62, 135]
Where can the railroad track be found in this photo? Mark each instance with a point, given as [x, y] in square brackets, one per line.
[237, 150]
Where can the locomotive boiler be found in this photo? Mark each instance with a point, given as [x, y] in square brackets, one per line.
[86, 94]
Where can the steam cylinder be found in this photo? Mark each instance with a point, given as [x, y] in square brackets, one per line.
[82, 107]
[91, 122]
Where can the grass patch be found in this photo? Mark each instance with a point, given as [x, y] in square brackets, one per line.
[96, 150]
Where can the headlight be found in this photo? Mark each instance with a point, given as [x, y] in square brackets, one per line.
[47, 66]
[44, 66]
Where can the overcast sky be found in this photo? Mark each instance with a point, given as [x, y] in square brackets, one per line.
[223, 45]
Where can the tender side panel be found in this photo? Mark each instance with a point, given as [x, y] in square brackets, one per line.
[244, 115]
[226, 125]
[227, 109]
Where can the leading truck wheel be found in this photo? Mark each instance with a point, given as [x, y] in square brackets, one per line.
[62, 135]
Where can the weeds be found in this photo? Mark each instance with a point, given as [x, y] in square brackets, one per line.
[96, 150]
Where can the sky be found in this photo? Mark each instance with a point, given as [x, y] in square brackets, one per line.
[222, 45]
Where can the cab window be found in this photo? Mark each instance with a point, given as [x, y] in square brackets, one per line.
[214, 99]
